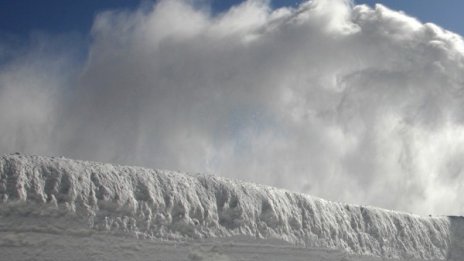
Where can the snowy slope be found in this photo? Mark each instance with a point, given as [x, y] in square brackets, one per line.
[68, 197]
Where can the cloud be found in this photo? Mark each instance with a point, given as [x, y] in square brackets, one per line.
[345, 102]
[31, 79]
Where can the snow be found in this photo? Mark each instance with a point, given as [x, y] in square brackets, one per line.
[58, 198]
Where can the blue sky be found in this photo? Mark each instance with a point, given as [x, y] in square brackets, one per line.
[20, 17]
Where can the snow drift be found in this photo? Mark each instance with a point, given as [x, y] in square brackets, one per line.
[62, 196]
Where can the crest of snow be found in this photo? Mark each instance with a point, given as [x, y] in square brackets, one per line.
[59, 195]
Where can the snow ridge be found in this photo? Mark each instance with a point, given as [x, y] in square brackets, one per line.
[59, 195]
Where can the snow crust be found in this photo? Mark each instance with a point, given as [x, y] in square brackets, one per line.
[63, 196]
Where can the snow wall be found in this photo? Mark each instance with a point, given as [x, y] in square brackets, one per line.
[58, 195]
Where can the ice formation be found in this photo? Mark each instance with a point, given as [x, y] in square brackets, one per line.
[63, 196]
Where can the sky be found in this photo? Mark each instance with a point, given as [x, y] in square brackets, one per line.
[63, 16]
[358, 104]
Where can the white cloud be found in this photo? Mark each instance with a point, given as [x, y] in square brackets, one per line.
[358, 105]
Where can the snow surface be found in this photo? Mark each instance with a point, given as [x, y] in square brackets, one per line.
[58, 198]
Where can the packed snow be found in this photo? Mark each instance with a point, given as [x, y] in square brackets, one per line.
[56, 199]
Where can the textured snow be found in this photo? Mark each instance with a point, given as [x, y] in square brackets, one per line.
[68, 197]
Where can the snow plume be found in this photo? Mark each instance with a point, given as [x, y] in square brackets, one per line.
[345, 102]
